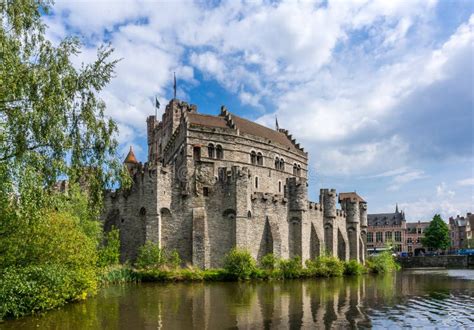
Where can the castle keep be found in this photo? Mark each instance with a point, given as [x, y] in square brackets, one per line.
[212, 183]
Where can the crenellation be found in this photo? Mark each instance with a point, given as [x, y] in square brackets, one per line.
[212, 183]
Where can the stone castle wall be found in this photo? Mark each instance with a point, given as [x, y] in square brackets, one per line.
[202, 206]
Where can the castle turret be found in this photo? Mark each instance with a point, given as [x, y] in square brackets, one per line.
[130, 161]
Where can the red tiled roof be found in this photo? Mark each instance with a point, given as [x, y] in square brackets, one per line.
[350, 195]
[131, 159]
[249, 127]
[207, 120]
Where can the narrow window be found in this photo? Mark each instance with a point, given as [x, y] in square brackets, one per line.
[219, 152]
[277, 163]
[279, 186]
[210, 150]
[282, 164]
[259, 159]
[197, 153]
[298, 170]
[253, 158]
[256, 182]
[295, 169]
[205, 191]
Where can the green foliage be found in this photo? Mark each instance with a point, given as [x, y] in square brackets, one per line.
[269, 262]
[239, 264]
[382, 263]
[173, 260]
[352, 267]
[117, 274]
[325, 266]
[436, 235]
[109, 252]
[32, 289]
[291, 268]
[150, 255]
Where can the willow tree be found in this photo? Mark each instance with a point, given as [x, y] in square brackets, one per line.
[52, 120]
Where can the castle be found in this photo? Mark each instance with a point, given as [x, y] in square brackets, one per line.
[212, 183]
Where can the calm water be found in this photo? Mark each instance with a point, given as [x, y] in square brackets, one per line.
[442, 299]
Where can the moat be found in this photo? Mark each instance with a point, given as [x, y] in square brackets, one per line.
[416, 298]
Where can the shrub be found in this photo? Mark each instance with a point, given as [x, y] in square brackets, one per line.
[291, 268]
[173, 260]
[117, 274]
[239, 264]
[109, 252]
[352, 267]
[34, 288]
[269, 262]
[150, 256]
[382, 263]
[325, 266]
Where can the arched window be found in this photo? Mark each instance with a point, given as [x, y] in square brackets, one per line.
[219, 152]
[295, 169]
[277, 163]
[253, 158]
[256, 182]
[259, 158]
[298, 170]
[282, 164]
[210, 150]
[279, 186]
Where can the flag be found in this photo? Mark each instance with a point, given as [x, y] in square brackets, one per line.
[174, 85]
[276, 123]
[157, 103]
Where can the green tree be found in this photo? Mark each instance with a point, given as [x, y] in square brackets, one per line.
[437, 234]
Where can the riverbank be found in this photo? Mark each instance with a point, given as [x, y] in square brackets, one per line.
[444, 261]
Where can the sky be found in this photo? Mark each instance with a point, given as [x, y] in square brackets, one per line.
[380, 93]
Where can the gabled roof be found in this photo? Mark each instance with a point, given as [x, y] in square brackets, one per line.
[207, 120]
[131, 159]
[249, 127]
[350, 195]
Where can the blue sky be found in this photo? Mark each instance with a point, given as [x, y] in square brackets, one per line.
[380, 93]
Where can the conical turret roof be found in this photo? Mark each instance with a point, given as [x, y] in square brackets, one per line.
[131, 159]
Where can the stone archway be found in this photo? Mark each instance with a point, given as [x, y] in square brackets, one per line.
[314, 244]
[341, 246]
[266, 242]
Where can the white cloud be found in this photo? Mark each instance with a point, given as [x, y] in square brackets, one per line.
[466, 182]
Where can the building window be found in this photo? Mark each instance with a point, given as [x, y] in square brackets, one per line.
[279, 186]
[410, 249]
[298, 170]
[419, 230]
[388, 236]
[282, 164]
[398, 236]
[409, 240]
[370, 237]
[197, 153]
[398, 248]
[253, 158]
[219, 152]
[259, 159]
[210, 150]
[256, 182]
[378, 236]
[205, 191]
[295, 169]
[277, 163]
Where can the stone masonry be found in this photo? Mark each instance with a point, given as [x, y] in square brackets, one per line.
[212, 183]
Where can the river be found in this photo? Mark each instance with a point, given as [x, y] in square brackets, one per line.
[415, 298]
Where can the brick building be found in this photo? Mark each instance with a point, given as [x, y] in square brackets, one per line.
[461, 231]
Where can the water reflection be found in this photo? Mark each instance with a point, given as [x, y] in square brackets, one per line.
[402, 299]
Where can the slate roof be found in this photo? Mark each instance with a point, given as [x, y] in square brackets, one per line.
[385, 219]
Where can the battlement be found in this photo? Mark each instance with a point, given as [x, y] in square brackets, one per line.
[232, 174]
[290, 137]
[268, 197]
